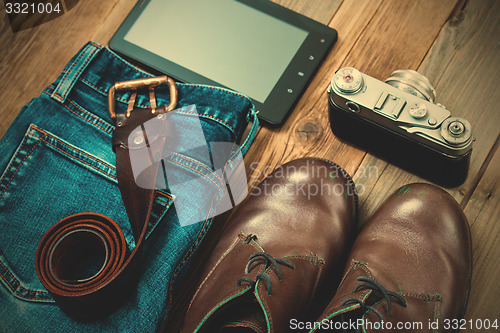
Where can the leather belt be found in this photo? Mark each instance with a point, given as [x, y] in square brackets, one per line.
[79, 238]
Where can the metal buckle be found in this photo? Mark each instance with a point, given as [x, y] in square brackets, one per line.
[150, 83]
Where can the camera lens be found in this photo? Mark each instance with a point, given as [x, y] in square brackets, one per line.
[347, 80]
[412, 82]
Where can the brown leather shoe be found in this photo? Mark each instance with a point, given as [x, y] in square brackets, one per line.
[284, 242]
[410, 265]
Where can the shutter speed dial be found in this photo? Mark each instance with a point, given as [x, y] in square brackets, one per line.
[347, 80]
[418, 111]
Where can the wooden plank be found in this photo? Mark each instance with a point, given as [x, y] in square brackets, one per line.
[273, 146]
[104, 32]
[483, 212]
[375, 36]
[321, 11]
[377, 49]
[460, 65]
[31, 59]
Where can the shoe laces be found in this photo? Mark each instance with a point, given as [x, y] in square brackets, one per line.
[265, 258]
[371, 284]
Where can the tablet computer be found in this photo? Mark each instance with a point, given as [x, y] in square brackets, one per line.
[255, 47]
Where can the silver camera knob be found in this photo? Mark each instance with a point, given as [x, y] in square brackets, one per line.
[456, 131]
[418, 111]
[413, 83]
[347, 80]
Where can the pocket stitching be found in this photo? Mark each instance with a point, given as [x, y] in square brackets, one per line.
[29, 134]
[76, 114]
[202, 174]
[86, 163]
[18, 167]
[202, 165]
[19, 286]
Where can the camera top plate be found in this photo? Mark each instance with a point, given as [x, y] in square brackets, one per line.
[400, 111]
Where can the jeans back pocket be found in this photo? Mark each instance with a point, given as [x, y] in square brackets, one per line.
[46, 180]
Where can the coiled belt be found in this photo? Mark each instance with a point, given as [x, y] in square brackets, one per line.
[78, 237]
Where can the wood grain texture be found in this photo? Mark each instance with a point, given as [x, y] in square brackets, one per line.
[321, 11]
[456, 47]
[31, 59]
[460, 65]
[306, 132]
[377, 48]
[483, 212]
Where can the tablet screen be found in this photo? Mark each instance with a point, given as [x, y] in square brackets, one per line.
[226, 41]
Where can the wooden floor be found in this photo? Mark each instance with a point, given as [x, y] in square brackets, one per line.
[455, 43]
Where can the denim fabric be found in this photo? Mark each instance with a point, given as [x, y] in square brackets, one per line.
[56, 160]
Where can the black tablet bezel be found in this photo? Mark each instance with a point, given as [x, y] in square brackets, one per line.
[289, 87]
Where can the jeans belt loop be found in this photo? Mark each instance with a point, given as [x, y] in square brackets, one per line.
[73, 71]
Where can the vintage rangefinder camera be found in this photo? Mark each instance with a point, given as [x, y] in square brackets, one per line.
[399, 121]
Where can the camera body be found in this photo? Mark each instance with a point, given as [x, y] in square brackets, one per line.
[399, 122]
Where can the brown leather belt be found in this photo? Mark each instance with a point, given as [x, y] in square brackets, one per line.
[80, 236]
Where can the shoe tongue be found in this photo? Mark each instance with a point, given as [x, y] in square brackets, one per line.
[421, 314]
[346, 291]
[290, 297]
[219, 290]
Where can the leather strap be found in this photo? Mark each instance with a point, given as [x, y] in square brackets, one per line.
[78, 237]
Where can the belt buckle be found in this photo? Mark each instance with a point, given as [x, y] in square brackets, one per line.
[136, 84]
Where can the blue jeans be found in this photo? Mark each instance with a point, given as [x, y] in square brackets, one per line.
[56, 160]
